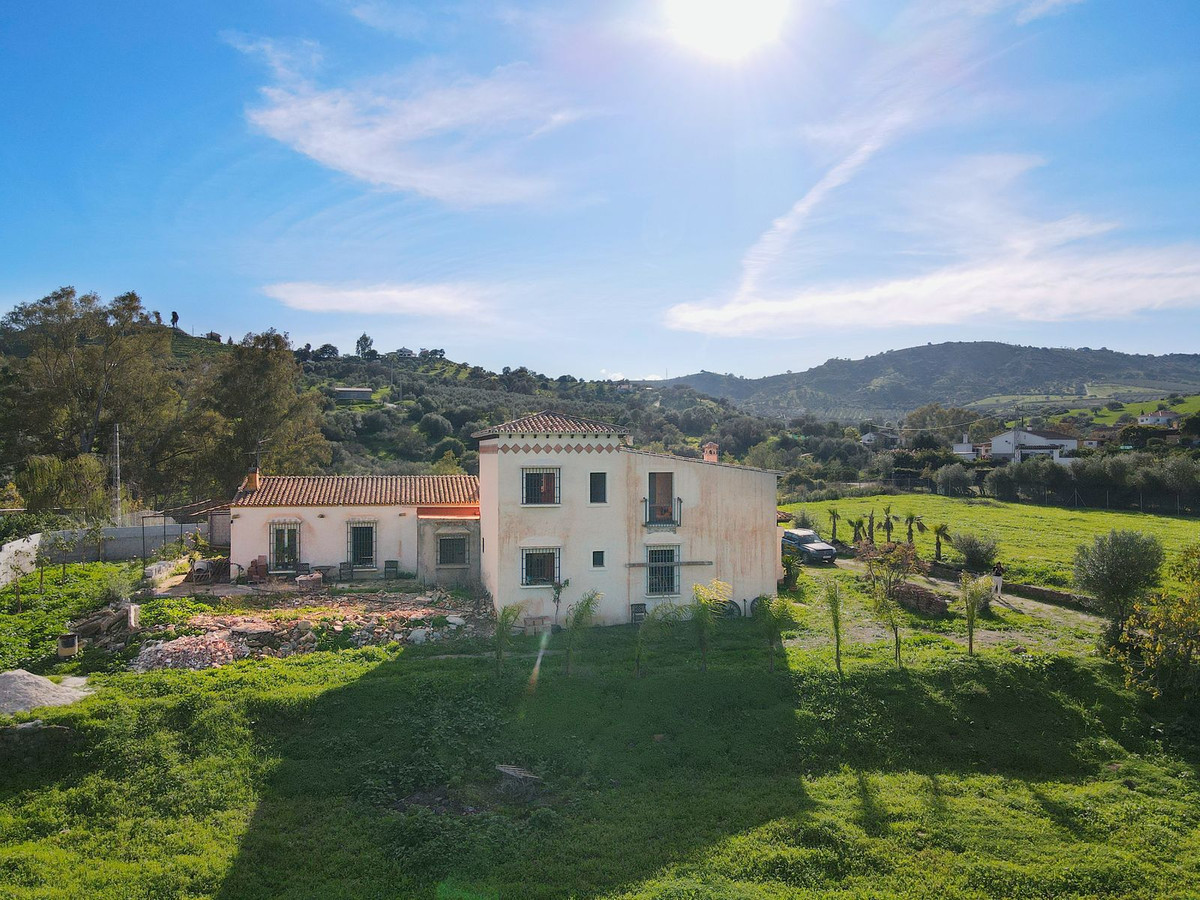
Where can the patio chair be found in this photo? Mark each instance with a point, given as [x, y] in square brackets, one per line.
[391, 569]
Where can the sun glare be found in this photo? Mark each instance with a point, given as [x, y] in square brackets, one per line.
[725, 29]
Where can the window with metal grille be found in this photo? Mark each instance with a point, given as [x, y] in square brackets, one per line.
[360, 545]
[540, 566]
[452, 551]
[285, 546]
[662, 570]
[599, 487]
[540, 487]
[597, 559]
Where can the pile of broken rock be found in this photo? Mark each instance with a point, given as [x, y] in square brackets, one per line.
[340, 621]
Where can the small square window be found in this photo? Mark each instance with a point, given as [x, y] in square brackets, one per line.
[599, 487]
[597, 559]
[452, 551]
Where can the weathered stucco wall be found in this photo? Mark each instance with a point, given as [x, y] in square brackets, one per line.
[727, 531]
[431, 571]
[323, 533]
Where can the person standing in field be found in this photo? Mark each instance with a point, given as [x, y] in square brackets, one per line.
[997, 579]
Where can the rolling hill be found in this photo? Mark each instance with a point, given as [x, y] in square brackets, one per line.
[987, 375]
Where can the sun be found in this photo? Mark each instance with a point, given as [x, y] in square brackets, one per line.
[727, 30]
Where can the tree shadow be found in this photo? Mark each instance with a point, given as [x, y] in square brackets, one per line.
[387, 787]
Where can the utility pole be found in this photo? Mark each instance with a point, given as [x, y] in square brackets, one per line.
[117, 453]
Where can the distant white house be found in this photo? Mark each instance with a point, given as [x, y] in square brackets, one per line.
[1164, 418]
[405, 353]
[1019, 444]
[964, 449]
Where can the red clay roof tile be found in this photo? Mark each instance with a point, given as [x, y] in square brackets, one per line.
[552, 423]
[361, 490]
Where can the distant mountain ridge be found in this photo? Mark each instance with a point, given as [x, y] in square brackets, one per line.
[984, 374]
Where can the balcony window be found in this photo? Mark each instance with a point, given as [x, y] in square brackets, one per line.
[663, 508]
[540, 487]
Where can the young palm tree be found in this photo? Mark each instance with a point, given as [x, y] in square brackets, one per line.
[831, 596]
[707, 606]
[941, 534]
[857, 525]
[911, 521]
[834, 518]
[773, 614]
[889, 522]
[976, 593]
[579, 616]
[506, 618]
[888, 610]
[871, 527]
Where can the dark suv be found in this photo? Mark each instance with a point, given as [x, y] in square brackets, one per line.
[807, 544]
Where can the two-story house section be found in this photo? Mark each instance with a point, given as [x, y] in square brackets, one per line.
[563, 497]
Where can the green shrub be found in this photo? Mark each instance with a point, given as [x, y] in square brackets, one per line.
[978, 551]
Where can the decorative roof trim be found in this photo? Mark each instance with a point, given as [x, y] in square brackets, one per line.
[547, 422]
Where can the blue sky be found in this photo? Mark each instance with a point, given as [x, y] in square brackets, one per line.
[612, 188]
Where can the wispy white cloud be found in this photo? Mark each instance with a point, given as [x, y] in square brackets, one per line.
[1039, 8]
[1005, 266]
[968, 213]
[447, 300]
[1052, 286]
[455, 139]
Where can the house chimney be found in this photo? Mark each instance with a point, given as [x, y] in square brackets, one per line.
[251, 482]
[712, 452]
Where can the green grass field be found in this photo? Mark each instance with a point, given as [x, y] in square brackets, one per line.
[1037, 543]
[370, 774]
[1106, 416]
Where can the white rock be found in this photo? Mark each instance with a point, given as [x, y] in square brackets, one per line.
[418, 635]
[456, 620]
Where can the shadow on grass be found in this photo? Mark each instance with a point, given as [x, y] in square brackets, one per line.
[387, 787]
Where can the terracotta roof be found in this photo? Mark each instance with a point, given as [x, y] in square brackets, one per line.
[552, 423]
[1161, 413]
[361, 490]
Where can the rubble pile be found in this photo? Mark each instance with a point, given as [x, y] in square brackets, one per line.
[193, 652]
[359, 621]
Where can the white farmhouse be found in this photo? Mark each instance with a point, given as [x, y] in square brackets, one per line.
[422, 524]
[1162, 418]
[1018, 444]
[564, 498]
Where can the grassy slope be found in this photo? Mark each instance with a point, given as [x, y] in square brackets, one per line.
[999, 777]
[1037, 543]
[1189, 405]
[28, 636]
